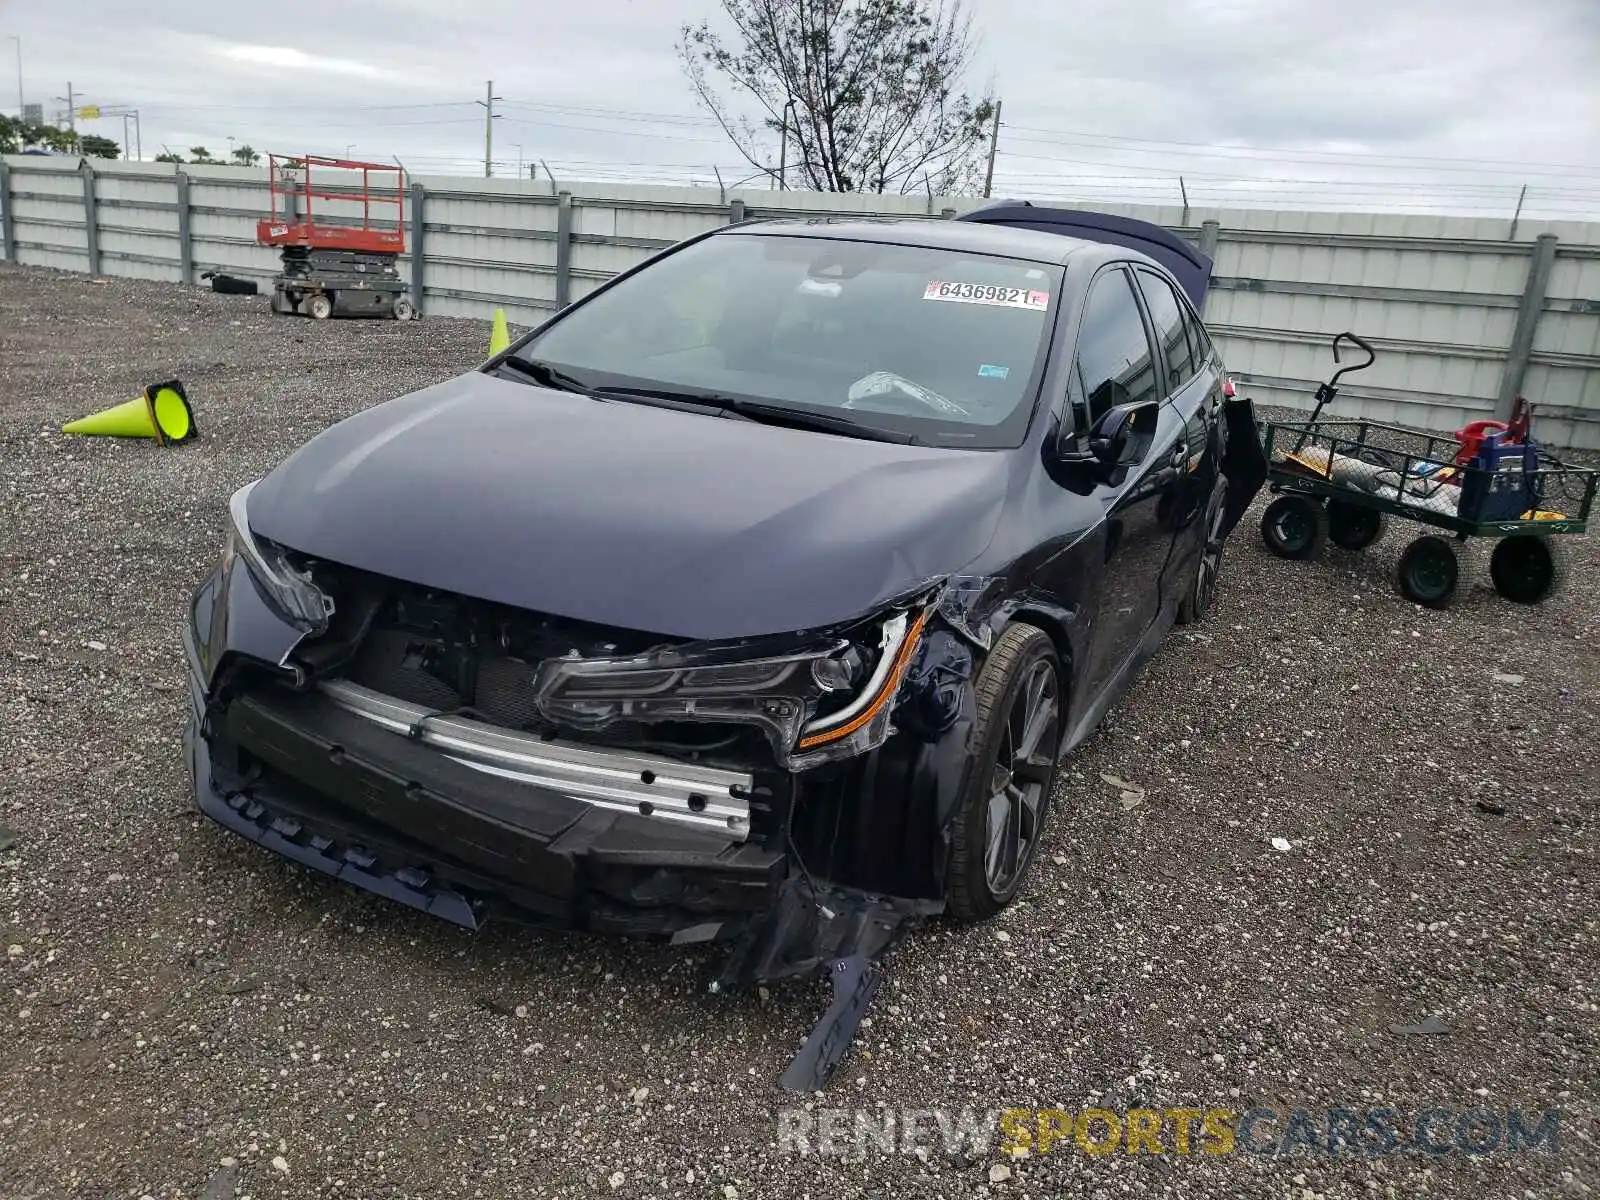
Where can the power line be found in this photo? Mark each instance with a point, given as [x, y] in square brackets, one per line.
[1120, 143]
[1172, 172]
[616, 114]
[1063, 134]
[644, 133]
[1221, 169]
[158, 107]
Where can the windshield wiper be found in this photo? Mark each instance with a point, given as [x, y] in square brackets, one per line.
[800, 418]
[756, 410]
[666, 396]
[551, 376]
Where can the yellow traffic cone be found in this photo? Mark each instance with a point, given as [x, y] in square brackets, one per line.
[499, 336]
[162, 412]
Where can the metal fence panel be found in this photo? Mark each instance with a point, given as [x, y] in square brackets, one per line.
[1445, 299]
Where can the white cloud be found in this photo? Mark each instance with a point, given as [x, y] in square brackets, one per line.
[298, 60]
[1430, 101]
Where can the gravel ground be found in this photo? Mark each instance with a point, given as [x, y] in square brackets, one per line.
[177, 1001]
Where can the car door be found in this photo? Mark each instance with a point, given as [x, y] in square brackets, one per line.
[1192, 387]
[1114, 363]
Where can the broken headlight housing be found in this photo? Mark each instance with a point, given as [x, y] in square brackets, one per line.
[829, 700]
[290, 592]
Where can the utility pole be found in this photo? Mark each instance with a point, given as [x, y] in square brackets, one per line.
[994, 148]
[488, 128]
[72, 113]
[21, 106]
[783, 154]
[1517, 216]
[125, 112]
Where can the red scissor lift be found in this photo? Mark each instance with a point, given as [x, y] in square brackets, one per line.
[338, 241]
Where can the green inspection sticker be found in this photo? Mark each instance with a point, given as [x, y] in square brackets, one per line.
[990, 371]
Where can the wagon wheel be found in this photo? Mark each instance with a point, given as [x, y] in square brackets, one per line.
[1431, 570]
[1294, 527]
[1526, 568]
[1352, 527]
[319, 307]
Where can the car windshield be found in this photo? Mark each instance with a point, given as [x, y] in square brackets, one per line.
[941, 345]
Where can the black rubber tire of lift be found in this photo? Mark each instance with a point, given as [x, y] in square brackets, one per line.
[1295, 527]
[967, 890]
[1526, 568]
[1352, 527]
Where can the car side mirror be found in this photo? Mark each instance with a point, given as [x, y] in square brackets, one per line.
[1123, 435]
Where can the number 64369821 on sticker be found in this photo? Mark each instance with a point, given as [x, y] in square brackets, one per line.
[987, 293]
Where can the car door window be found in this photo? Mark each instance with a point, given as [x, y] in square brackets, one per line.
[1198, 338]
[1167, 315]
[1114, 363]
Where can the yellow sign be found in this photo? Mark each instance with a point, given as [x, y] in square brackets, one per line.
[89, 112]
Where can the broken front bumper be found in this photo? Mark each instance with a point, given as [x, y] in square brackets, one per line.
[1243, 461]
[463, 821]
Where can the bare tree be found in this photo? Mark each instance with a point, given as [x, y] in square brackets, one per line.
[864, 93]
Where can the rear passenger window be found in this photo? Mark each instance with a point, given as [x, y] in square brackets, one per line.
[1199, 339]
[1168, 316]
[1114, 364]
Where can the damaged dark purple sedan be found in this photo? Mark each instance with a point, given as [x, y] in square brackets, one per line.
[753, 599]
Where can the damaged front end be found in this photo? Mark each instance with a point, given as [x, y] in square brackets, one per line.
[1244, 462]
[784, 797]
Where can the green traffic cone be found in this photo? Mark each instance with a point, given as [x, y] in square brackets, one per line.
[162, 412]
[499, 335]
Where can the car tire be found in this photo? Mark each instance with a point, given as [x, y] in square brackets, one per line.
[1295, 527]
[1005, 795]
[1202, 588]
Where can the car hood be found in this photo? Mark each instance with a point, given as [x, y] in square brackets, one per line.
[649, 519]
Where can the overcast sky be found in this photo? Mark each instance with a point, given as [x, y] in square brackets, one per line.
[1359, 103]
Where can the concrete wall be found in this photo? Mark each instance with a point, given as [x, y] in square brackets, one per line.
[1445, 300]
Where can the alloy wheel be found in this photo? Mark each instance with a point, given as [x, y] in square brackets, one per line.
[1021, 773]
[1205, 585]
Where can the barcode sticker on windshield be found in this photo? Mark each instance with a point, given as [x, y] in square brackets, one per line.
[988, 293]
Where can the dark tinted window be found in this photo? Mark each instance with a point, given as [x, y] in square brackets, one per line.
[1198, 338]
[1114, 364]
[1167, 315]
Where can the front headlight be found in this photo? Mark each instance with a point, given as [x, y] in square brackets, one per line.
[825, 702]
[296, 598]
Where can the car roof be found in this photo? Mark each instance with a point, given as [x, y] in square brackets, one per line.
[1188, 265]
[1006, 241]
